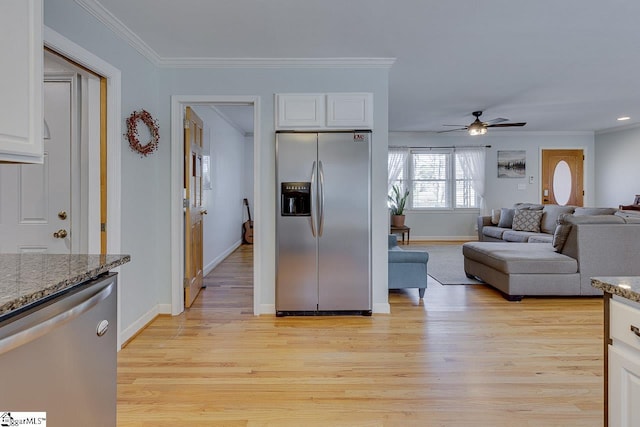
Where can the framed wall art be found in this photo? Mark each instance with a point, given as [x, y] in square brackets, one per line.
[512, 164]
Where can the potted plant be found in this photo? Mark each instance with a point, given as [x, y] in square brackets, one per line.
[397, 201]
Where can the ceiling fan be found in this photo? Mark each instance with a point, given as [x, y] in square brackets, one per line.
[480, 128]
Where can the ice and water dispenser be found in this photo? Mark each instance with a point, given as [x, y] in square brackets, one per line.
[295, 199]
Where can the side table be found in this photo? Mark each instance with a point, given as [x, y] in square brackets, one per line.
[402, 230]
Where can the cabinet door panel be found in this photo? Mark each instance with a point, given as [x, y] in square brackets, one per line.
[21, 81]
[300, 111]
[350, 110]
[624, 388]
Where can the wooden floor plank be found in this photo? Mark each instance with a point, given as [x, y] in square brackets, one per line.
[463, 356]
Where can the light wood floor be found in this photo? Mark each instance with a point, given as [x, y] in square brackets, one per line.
[461, 357]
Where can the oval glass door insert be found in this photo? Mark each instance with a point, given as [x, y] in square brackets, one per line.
[562, 183]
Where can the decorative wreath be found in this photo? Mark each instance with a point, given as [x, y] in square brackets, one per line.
[132, 132]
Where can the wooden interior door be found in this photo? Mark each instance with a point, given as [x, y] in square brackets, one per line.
[562, 177]
[194, 211]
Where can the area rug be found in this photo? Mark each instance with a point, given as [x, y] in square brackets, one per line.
[446, 264]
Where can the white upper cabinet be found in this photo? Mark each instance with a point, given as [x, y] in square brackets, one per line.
[299, 110]
[324, 111]
[21, 81]
[350, 110]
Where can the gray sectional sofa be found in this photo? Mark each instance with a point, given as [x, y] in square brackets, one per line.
[407, 269]
[582, 246]
[537, 226]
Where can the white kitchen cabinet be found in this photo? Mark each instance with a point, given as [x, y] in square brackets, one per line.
[324, 111]
[300, 110]
[21, 81]
[624, 364]
[350, 110]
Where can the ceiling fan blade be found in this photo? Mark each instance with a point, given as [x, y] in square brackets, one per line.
[453, 130]
[496, 120]
[506, 125]
[454, 125]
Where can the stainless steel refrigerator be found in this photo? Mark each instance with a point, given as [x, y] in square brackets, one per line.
[323, 223]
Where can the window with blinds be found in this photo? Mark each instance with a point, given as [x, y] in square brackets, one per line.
[436, 180]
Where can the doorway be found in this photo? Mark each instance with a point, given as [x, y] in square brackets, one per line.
[178, 106]
[110, 128]
[563, 177]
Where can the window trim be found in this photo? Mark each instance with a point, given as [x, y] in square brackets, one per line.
[407, 181]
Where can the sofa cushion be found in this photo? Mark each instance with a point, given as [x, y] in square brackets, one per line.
[540, 238]
[517, 236]
[530, 206]
[532, 258]
[550, 216]
[527, 220]
[506, 217]
[495, 232]
[565, 222]
[594, 211]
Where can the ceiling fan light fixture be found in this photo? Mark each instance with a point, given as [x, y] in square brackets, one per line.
[476, 128]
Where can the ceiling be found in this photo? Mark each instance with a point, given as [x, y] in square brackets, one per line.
[559, 65]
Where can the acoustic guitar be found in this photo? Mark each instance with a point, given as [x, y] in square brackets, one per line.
[247, 227]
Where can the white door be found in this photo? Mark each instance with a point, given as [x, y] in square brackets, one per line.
[35, 199]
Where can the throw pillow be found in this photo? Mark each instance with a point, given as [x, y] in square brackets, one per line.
[561, 232]
[506, 218]
[532, 206]
[495, 216]
[527, 220]
[550, 217]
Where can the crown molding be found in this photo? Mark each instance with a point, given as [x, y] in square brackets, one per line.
[618, 128]
[277, 62]
[121, 30]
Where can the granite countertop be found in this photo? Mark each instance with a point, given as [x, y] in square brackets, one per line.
[26, 279]
[624, 286]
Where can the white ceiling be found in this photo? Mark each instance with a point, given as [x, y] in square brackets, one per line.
[559, 65]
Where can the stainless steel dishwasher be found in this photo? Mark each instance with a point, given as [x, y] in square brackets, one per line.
[60, 357]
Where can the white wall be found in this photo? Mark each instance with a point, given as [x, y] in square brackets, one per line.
[143, 235]
[248, 176]
[500, 192]
[146, 213]
[265, 83]
[223, 202]
[617, 173]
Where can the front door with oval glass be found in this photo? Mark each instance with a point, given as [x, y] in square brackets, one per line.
[562, 177]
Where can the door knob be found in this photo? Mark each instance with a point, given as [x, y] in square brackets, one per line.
[60, 234]
[203, 212]
[62, 215]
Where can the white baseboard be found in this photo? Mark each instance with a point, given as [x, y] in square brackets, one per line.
[441, 238]
[217, 260]
[267, 309]
[382, 308]
[130, 331]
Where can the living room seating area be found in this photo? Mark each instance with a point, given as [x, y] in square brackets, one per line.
[581, 247]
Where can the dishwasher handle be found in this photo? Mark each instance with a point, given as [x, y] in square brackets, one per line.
[34, 332]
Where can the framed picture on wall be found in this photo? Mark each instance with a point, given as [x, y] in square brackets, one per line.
[512, 164]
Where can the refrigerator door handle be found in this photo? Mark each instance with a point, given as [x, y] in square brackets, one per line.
[313, 199]
[321, 199]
